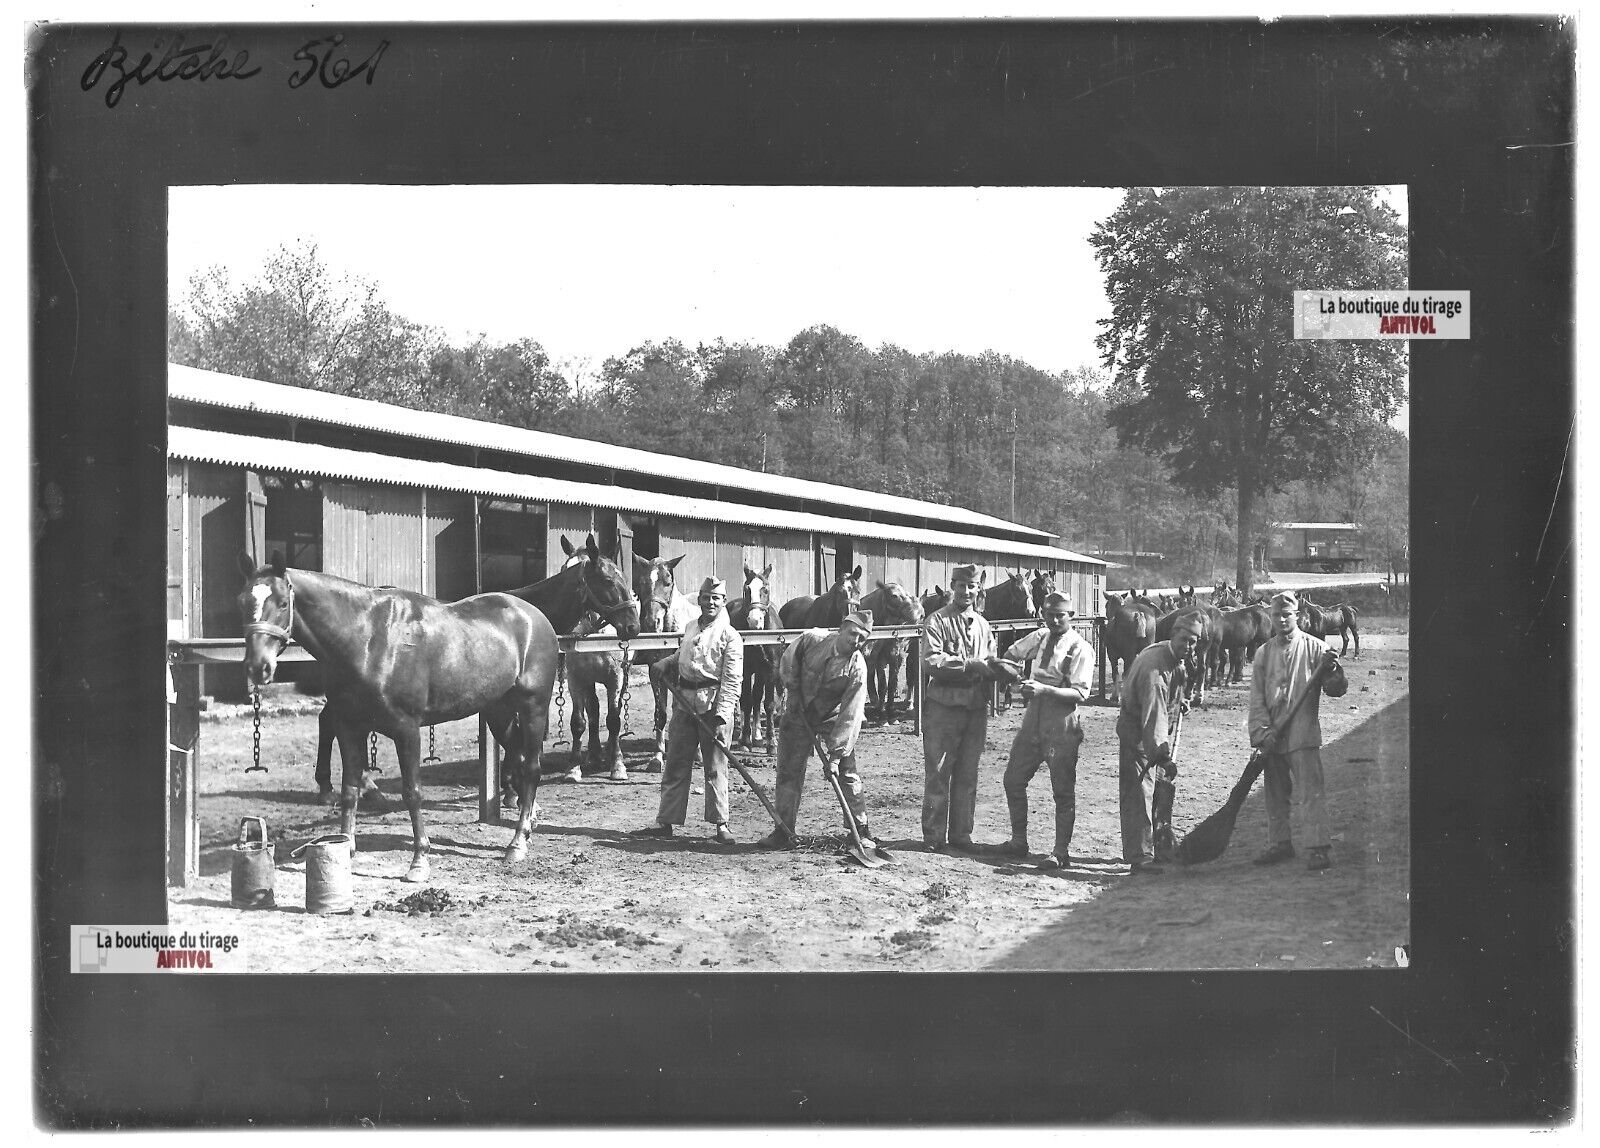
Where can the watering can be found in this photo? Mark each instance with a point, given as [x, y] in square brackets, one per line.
[328, 887]
[254, 868]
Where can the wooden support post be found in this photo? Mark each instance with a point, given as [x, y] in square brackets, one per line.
[183, 744]
[488, 785]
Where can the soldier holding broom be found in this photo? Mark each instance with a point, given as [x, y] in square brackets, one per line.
[1150, 692]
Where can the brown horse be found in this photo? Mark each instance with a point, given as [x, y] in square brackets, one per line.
[588, 582]
[396, 661]
[809, 611]
[667, 610]
[1325, 620]
[758, 698]
[891, 605]
[1007, 602]
[1130, 627]
[1042, 586]
[1240, 635]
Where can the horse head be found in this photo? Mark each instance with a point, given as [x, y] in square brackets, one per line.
[849, 588]
[655, 585]
[266, 607]
[894, 605]
[935, 599]
[757, 600]
[604, 587]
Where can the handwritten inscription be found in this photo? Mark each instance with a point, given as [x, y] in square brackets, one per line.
[177, 63]
[333, 70]
[325, 60]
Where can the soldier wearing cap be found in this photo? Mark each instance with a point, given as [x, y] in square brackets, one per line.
[709, 671]
[1151, 691]
[1281, 672]
[825, 677]
[958, 647]
[1063, 664]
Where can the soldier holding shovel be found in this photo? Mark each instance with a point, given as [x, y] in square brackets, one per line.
[825, 677]
[1150, 691]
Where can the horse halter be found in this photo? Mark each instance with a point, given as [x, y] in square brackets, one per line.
[631, 602]
[285, 632]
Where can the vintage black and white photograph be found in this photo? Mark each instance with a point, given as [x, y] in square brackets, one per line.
[812, 572]
[775, 454]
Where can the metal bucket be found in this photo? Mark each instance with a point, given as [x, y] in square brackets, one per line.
[254, 868]
[328, 874]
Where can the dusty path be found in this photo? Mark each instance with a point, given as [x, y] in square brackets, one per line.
[591, 898]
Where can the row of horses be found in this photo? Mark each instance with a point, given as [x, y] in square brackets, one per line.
[1232, 630]
[395, 660]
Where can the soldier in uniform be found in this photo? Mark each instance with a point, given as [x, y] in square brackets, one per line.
[957, 645]
[825, 677]
[1063, 664]
[1151, 690]
[708, 671]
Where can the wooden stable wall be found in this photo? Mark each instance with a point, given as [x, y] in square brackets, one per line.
[696, 541]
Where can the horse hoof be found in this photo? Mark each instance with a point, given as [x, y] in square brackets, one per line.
[515, 853]
[654, 766]
[574, 774]
[326, 797]
[418, 873]
[619, 774]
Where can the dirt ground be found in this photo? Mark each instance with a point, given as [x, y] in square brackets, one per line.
[590, 898]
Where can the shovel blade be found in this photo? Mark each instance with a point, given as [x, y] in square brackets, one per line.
[860, 855]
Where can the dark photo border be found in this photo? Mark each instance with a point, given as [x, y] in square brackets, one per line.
[1475, 115]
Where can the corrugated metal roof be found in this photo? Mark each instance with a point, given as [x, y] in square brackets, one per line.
[1316, 526]
[235, 392]
[339, 463]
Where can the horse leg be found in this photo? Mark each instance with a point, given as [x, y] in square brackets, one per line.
[327, 731]
[592, 704]
[892, 693]
[619, 771]
[408, 747]
[525, 747]
[351, 756]
[1356, 634]
[580, 711]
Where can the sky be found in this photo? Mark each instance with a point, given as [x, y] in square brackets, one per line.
[591, 271]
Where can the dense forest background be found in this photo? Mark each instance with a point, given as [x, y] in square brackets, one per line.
[987, 432]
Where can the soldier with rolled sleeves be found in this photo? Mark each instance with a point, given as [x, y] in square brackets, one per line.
[957, 646]
[1063, 664]
[1282, 670]
[826, 679]
[1151, 691]
[708, 672]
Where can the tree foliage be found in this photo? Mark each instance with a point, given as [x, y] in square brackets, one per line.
[1208, 374]
[941, 427]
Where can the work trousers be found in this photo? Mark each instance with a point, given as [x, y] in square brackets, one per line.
[1136, 792]
[684, 737]
[952, 742]
[1050, 736]
[1297, 772]
[794, 758]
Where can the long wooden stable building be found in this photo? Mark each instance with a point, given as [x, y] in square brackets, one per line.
[453, 506]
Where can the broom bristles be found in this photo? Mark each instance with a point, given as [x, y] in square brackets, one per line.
[1209, 840]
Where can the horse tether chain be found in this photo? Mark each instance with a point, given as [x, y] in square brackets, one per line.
[255, 747]
[433, 751]
[627, 670]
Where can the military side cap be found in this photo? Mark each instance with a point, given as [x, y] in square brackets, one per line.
[714, 586]
[1287, 597]
[860, 619]
[1057, 598]
[1194, 622]
[967, 573]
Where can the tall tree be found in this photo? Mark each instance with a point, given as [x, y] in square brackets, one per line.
[300, 324]
[1200, 338]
